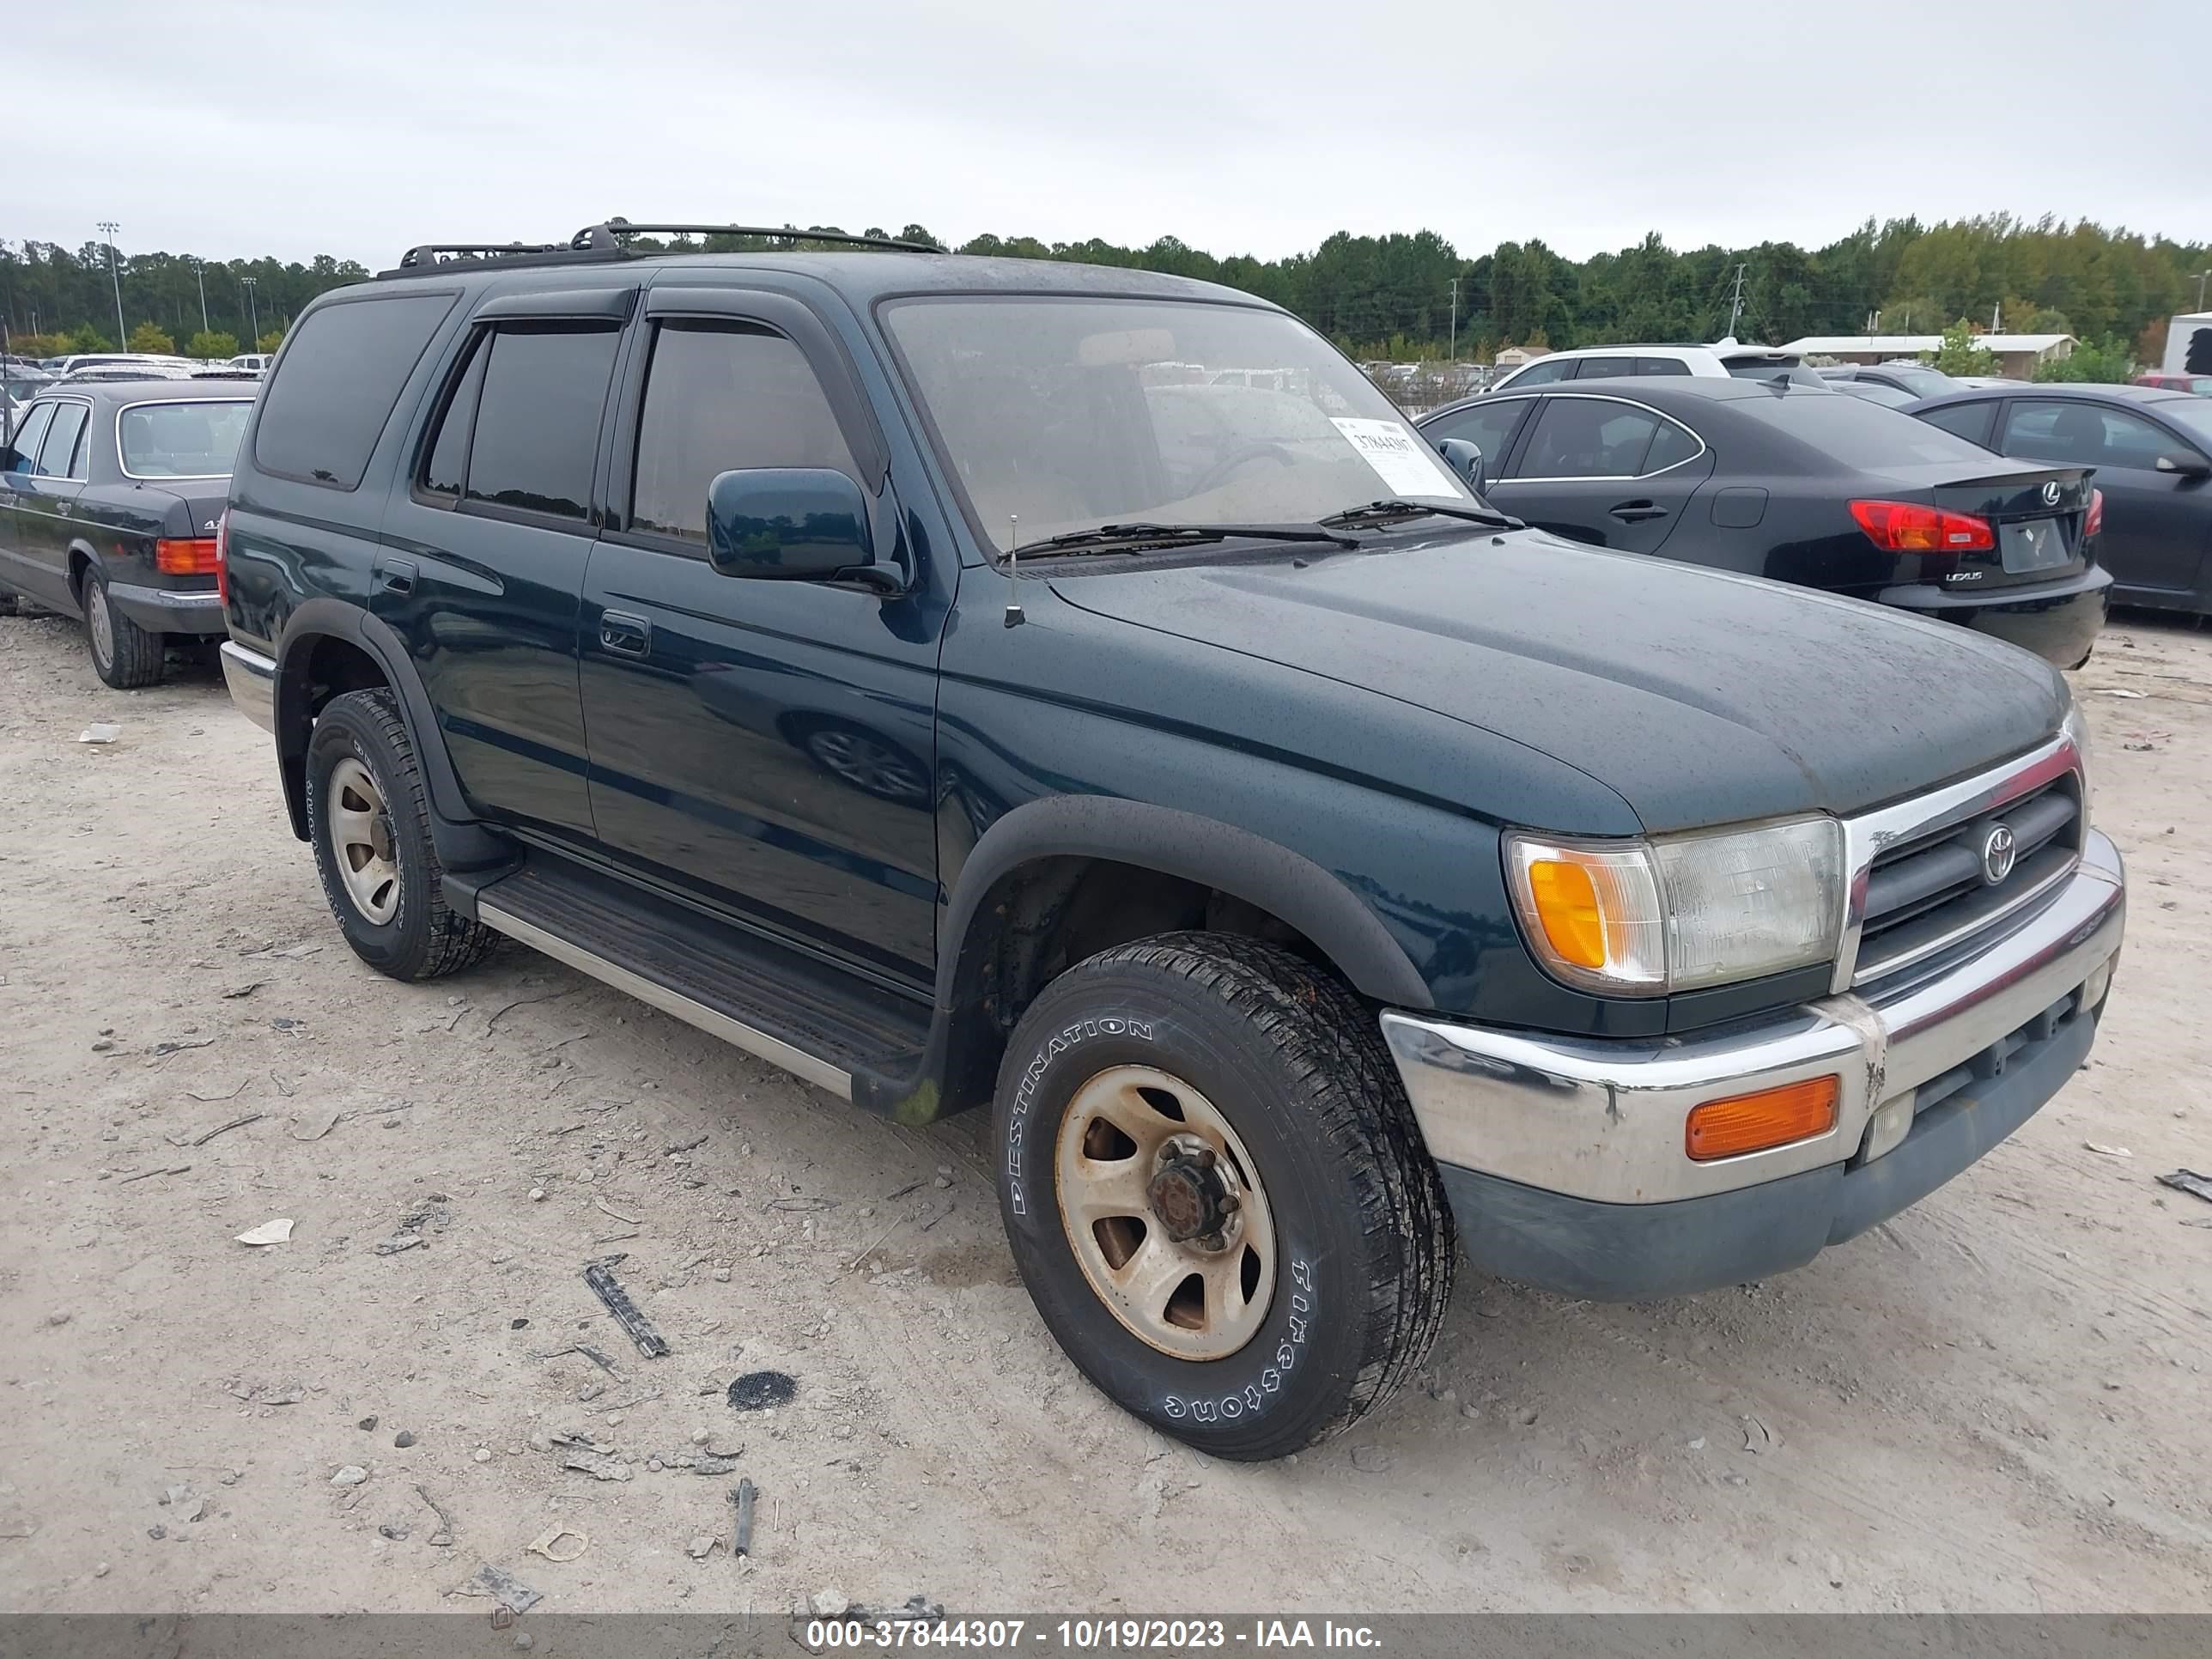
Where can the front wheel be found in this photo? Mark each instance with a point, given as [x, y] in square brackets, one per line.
[1217, 1194]
[124, 654]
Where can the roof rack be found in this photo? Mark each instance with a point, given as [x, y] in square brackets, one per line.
[590, 236]
[605, 242]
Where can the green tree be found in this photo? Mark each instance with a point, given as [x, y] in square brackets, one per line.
[2108, 363]
[150, 337]
[270, 340]
[1960, 356]
[215, 346]
[86, 338]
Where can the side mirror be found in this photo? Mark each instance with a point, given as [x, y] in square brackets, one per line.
[1464, 458]
[2185, 466]
[793, 523]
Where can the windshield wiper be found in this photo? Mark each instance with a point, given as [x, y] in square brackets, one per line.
[1378, 511]
[1107, 537]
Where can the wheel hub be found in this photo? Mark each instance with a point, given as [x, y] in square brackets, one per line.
[1189, 1196]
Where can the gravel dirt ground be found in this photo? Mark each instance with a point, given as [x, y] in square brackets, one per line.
[1998, 1400]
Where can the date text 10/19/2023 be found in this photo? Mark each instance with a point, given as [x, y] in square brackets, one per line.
[1055, 1636]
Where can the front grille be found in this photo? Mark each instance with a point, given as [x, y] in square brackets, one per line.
[1929, 893]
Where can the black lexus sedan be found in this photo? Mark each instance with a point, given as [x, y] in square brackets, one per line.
[1806, 487]
[2151, 447]
[110, 496]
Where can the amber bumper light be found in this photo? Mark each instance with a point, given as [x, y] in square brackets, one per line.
[1754, 1122]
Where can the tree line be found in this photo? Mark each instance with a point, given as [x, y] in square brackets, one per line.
[1376, 296]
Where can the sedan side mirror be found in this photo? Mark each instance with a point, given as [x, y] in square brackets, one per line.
[793, 523]
[2185, 466]
[1464, 458]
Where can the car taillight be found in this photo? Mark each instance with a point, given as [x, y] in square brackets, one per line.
[180, 557]
[1911, 527]
[2095, 521]
[222, 557]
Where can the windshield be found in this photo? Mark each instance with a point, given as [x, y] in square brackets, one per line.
[1059, 414]
[1921, 382]
[180, 441]
[2194, 419]
[1866, 437]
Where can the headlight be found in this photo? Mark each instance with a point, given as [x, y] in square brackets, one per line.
[1643, 918]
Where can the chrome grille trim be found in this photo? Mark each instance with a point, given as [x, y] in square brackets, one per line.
[1869, 835]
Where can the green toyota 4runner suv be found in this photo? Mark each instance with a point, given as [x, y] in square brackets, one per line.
[1078, 692]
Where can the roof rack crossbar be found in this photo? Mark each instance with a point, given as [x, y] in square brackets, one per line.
[591, 236]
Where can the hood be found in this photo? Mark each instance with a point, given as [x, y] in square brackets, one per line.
[1700, 696]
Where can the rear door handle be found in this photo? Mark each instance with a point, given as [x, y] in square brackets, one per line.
[1637, 512]
[621, 631]
[396, 576]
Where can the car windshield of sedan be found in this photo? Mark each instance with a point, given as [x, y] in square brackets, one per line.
[1062, 414]
[196, 439]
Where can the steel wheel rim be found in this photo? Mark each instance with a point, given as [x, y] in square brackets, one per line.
[361, 837]
[98, 624]
[1122, 1169]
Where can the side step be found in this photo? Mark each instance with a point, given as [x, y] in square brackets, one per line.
[758, 995]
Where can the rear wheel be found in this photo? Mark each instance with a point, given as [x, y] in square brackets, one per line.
[1217, 1194]
[369, 819]
[124, 654]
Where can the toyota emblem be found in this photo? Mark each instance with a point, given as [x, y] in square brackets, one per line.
[2051, 492]
[1998, 852]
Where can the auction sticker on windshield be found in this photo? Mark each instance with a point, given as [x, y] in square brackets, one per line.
[1399, 457]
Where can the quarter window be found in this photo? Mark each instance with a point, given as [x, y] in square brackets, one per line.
[2082, 435]
[720, 396]
[60, 448]
[1671, 445]
[1593, 368]
[1588, 438]
[322, 413]
[1661, 366]
[537, 431]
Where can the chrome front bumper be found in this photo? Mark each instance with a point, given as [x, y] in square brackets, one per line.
[1603, 1120]
[252, 681]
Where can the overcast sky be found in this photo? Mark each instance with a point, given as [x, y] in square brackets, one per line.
[226, 128]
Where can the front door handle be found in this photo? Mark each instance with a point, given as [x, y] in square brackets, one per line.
[1637, 512]
[621, 631]
[396, 576]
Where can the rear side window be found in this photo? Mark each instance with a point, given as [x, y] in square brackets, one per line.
[1489, 425]
[1661, 366]
[538, 419]
[324, 411]
[1968, 421]
[1595, 368]
[61, 447]
[720, 397]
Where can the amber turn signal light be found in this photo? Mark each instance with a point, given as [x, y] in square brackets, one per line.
[1754, 1122]
[185, 557]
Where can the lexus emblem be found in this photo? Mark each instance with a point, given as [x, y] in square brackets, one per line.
[2051, 492]
[1997, 854]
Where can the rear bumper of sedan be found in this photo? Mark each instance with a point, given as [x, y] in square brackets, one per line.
[169, 609]
[2058, 621]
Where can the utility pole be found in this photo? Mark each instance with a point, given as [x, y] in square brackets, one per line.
[1455, 318]
[253, 310]
[2201, 275]
[1735, 303]
[200, 265]
[122, 334]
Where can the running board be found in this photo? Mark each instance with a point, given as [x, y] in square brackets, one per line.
[811, 1020]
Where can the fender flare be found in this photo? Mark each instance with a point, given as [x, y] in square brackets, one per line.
[1205, 850]
[462, 841]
